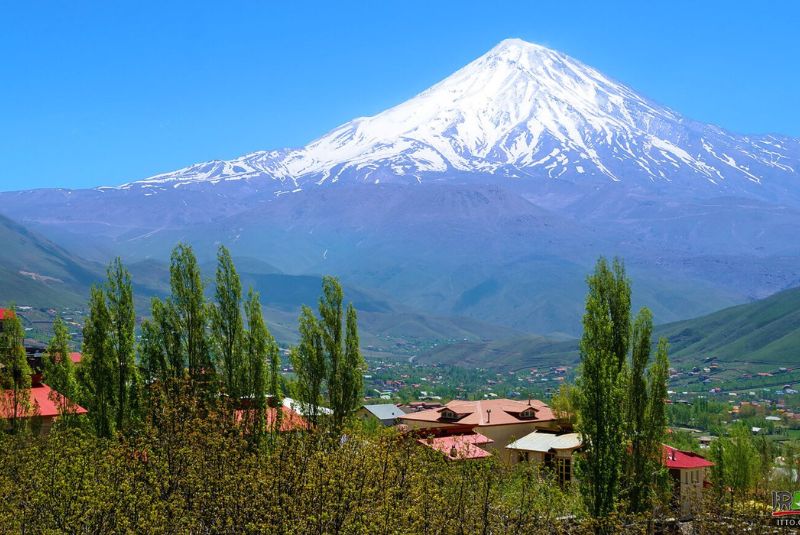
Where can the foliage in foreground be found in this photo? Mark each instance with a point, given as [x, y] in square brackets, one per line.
[195, 473]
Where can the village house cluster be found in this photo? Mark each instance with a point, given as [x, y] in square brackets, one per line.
[521, 431]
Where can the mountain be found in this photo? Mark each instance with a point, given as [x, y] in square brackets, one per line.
[758, 336]
[488, 196]
[521, 110]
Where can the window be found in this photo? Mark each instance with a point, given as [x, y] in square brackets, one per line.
[564, 467]
[449, 415]
[527, 413]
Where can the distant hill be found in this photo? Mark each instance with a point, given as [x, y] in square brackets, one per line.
[510, 354]
[764, 334]
[35, 271]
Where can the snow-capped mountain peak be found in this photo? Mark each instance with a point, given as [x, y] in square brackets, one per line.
[520, 110]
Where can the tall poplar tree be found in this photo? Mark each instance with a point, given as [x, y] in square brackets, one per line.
[59, 370]
[161, 347]
[275, 374]
[656, 417]
[227, 326]
[98, 368]
[638, 463]
[258, 345]
[308, 361]
[601, 384]
[328, 357]
[622, 416]
[122, 341]
[330, 311]
[190, 314]
[352, 371]
[15, 373]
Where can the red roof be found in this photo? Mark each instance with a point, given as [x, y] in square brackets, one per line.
[485, 412]
[291, 420]
[459, 446]
[6, 313]
[45, 401]
[75, 357]
[675, 458]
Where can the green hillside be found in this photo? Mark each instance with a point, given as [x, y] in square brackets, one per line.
[756, 336]
[37, 272]
[762, 334]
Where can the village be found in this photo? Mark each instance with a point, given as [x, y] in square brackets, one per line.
[479, 415]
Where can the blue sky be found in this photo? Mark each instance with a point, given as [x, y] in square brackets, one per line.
[106, 92]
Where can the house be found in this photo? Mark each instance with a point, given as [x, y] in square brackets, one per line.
[386, 413]
[290, 419]
[46, 406]
[303, 409]
[551, 450]
[459, 447]
[688, 471]
[557, 451]
[501, 420]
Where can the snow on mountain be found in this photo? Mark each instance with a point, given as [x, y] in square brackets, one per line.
[520, 110]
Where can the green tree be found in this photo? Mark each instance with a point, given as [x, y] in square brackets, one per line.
[98, 368]
[353, 366]
[189, 312]
[259, 344]
[59, 370]
[330, 324]
[308, 362]
[227, 326]
[564, 403]
[275, 389]
[161, 346]
[15, 373]
[601, 386]
[122, 342]
[741, 460]
[654, 476]
[646, 415]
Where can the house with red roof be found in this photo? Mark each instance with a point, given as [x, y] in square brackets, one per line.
[689, 473]
[290, 420]
[46, 405]
[459, 447]
[500, 420]
[688, 470]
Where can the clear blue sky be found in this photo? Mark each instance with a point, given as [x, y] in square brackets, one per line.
[95, 93]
